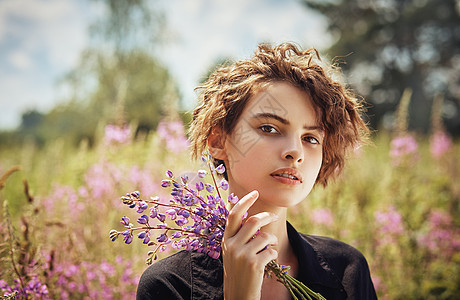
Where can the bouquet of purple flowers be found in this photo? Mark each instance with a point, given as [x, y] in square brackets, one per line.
[194, 219]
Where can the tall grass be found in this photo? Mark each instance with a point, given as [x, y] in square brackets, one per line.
[401, 209]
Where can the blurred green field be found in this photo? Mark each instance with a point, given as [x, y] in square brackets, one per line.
[401, 209]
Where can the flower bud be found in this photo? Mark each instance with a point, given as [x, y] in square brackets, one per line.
[125, 221]
[220, 169]
[202, 173]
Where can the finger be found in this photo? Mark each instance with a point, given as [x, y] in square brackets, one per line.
[254, 223]
[236, 213]
[264, 257]
[261, 242]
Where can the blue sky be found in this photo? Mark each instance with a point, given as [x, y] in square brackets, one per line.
[40, 40]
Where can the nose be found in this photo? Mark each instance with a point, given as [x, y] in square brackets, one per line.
[293, 150]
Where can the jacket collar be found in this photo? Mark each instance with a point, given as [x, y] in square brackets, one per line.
[313, 269]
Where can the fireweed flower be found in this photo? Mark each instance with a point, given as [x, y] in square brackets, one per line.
[194, 220]
[442, 235]
[117, 135]
[403, 148]
[389, 224]
[440, 143]
[322, 216]
[173, 135]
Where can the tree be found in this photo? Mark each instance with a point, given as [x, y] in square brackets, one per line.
[119, 79]
[392, 45]
[31, 119]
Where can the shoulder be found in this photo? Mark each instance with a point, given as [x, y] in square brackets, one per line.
[337, 253]
[168, 278]
[345, 262]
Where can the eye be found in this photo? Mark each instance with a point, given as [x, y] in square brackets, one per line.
[268, 129]
[311, 140]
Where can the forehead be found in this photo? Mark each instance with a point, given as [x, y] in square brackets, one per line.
[282, 99]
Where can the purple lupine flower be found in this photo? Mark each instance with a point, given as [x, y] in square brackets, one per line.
[224, 184]
[128, 238]
[165, 183]
[220, 169]
[232, 198]
[214, 254]
[202, 173]
[162, 238]
[113, 234]
[199, 186]
[209, 187]
[185, 214]
[144, 219]
[176, 234]
[125, 221]
[181, 222]
[172, 213]
[207, 211]
[146, 239]
[153, 212]
[161, 217]
[142, 206]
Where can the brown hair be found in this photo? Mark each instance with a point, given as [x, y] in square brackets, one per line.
[224, 95]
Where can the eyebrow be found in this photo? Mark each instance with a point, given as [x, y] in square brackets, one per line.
[283, 120]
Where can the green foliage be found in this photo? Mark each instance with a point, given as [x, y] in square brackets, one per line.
[118, 81]
[391, 212]
[389, 46]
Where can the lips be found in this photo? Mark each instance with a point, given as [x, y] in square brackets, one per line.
[288, 174]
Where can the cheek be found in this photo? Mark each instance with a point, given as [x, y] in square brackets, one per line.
[315, 162]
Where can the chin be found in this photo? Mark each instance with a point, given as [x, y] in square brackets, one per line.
[285, 201]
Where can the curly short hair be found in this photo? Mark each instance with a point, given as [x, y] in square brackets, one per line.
[224, 95]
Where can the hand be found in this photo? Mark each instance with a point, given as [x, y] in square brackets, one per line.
[244, 255]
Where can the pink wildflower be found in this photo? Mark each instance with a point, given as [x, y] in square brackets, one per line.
[102, 178]
[440, 143]
[389, 225]
[117, 135]
[142, 179]
[322, 216]
[442, 235]
[173, 134]
[402, 148]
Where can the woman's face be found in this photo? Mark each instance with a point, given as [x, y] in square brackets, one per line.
[275, 146]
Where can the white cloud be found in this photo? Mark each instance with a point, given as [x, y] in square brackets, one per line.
[20, 60]
[39, 41]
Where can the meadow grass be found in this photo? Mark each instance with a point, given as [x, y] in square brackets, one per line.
[401, 211]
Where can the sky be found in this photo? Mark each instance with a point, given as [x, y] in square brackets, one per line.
[41, 40]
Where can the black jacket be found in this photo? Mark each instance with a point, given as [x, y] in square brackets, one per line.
[328, 266]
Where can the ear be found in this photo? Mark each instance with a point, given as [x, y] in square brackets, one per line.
[216, 144]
